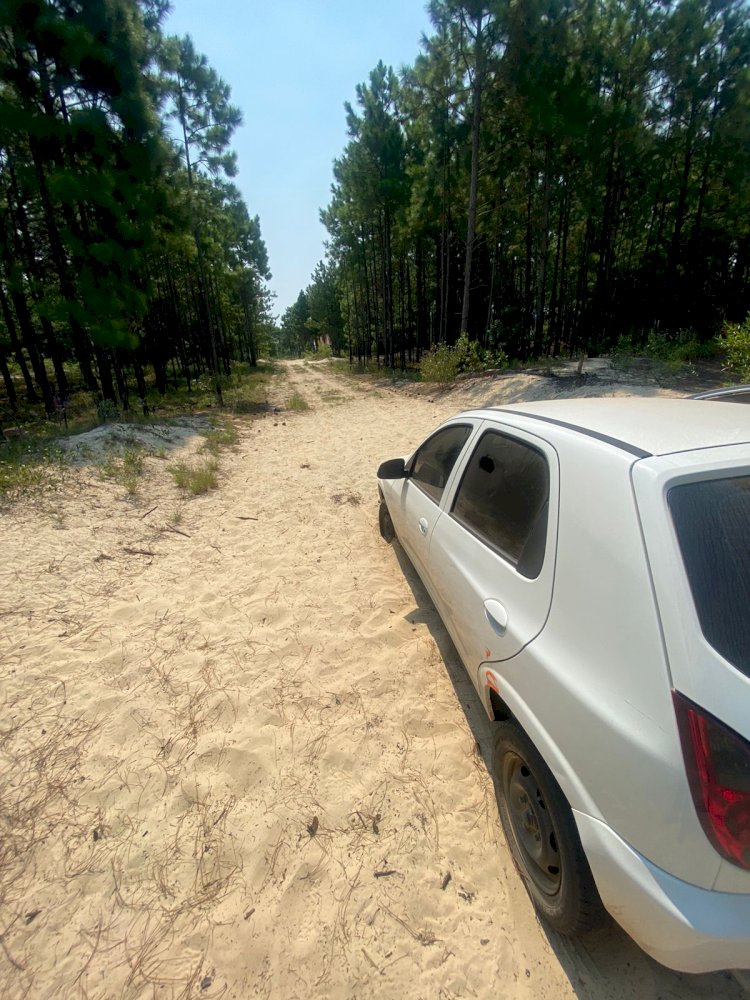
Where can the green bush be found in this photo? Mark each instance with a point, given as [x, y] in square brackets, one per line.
[675, 350]
[320, 353]
[444, 363]
[738, 348]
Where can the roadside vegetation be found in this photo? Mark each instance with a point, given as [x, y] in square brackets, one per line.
[444, 363]
[565, 185]
[32, 457]
[196, 478]
[28, 464]
[127, 470]
[738, 348]
[297, 402]
[128, 259]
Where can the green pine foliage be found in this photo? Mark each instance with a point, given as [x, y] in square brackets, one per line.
[548, 178]
[127, 259]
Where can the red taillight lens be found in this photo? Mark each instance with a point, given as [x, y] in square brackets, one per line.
[718, 769]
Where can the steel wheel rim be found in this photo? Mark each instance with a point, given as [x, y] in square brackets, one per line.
[533, 830]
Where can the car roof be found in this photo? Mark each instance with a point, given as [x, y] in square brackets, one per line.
[654, 425]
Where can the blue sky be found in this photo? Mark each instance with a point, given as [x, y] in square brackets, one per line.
[291, 65]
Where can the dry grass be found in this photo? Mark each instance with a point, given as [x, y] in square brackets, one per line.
[127, 470]
[297, 402]
[222, 435]
[196, 479]
[351, 497]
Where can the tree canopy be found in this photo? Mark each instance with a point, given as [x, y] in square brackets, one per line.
[548, 176]
[124, 248]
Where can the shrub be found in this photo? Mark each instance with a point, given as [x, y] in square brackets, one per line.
[107, 410]
[322, 352]
[439, 364]
[444, 363]
[132, 470]
[675, 350]
[738, 348]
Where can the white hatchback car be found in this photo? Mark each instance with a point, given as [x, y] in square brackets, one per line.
[591, 561]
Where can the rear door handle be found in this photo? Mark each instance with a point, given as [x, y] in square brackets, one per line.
[423, 525]
[496, 615]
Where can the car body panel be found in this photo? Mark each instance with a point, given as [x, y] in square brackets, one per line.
[680, 925]
[469, 577]
[654, 425]
[608, 634]
[578, 674]
[697, 670]
[414, 512]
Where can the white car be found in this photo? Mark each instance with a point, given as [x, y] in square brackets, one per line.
[591, 561]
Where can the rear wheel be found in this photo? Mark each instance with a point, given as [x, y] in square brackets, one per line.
[386, 524]
[542, 836]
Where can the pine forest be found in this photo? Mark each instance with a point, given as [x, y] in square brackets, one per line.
[126, 253]
[549, 177]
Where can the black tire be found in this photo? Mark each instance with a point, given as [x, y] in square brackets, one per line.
[542, 836]
[386, 524]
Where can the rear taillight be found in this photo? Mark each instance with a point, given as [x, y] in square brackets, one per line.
[718, 769]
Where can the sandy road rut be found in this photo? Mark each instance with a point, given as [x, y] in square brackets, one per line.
[238, 755]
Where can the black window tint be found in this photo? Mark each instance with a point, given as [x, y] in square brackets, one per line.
[503, 498]
[434, 461]
[712, 520]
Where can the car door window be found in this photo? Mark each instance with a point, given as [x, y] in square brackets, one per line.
[503, 499]
[433, 463]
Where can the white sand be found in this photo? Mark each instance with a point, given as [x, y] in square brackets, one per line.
[238, 754]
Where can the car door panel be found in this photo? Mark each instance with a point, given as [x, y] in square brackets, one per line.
[431, 471]
[492, 609]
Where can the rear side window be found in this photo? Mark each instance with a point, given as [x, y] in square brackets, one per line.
[503, 498]
[433, 463]
[712, 520]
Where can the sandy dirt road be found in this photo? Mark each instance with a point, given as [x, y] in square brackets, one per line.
[238, 754]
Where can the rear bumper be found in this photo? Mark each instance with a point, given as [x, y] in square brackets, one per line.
[680, 925]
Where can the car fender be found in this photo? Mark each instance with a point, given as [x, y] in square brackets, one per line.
[488, 680]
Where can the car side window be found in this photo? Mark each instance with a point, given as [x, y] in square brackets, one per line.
[503, 498]
[711, 519]
[433, 463]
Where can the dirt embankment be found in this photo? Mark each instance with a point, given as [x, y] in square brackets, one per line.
[238, 754]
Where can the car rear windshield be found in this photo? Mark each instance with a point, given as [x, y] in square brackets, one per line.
[712, 520]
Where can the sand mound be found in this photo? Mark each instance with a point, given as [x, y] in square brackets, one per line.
[115, 438]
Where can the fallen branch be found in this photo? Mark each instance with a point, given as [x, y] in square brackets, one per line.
[137, 552]
[168, 527]
[13, 962]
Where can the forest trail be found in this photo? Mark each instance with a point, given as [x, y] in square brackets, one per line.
[238, 754]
